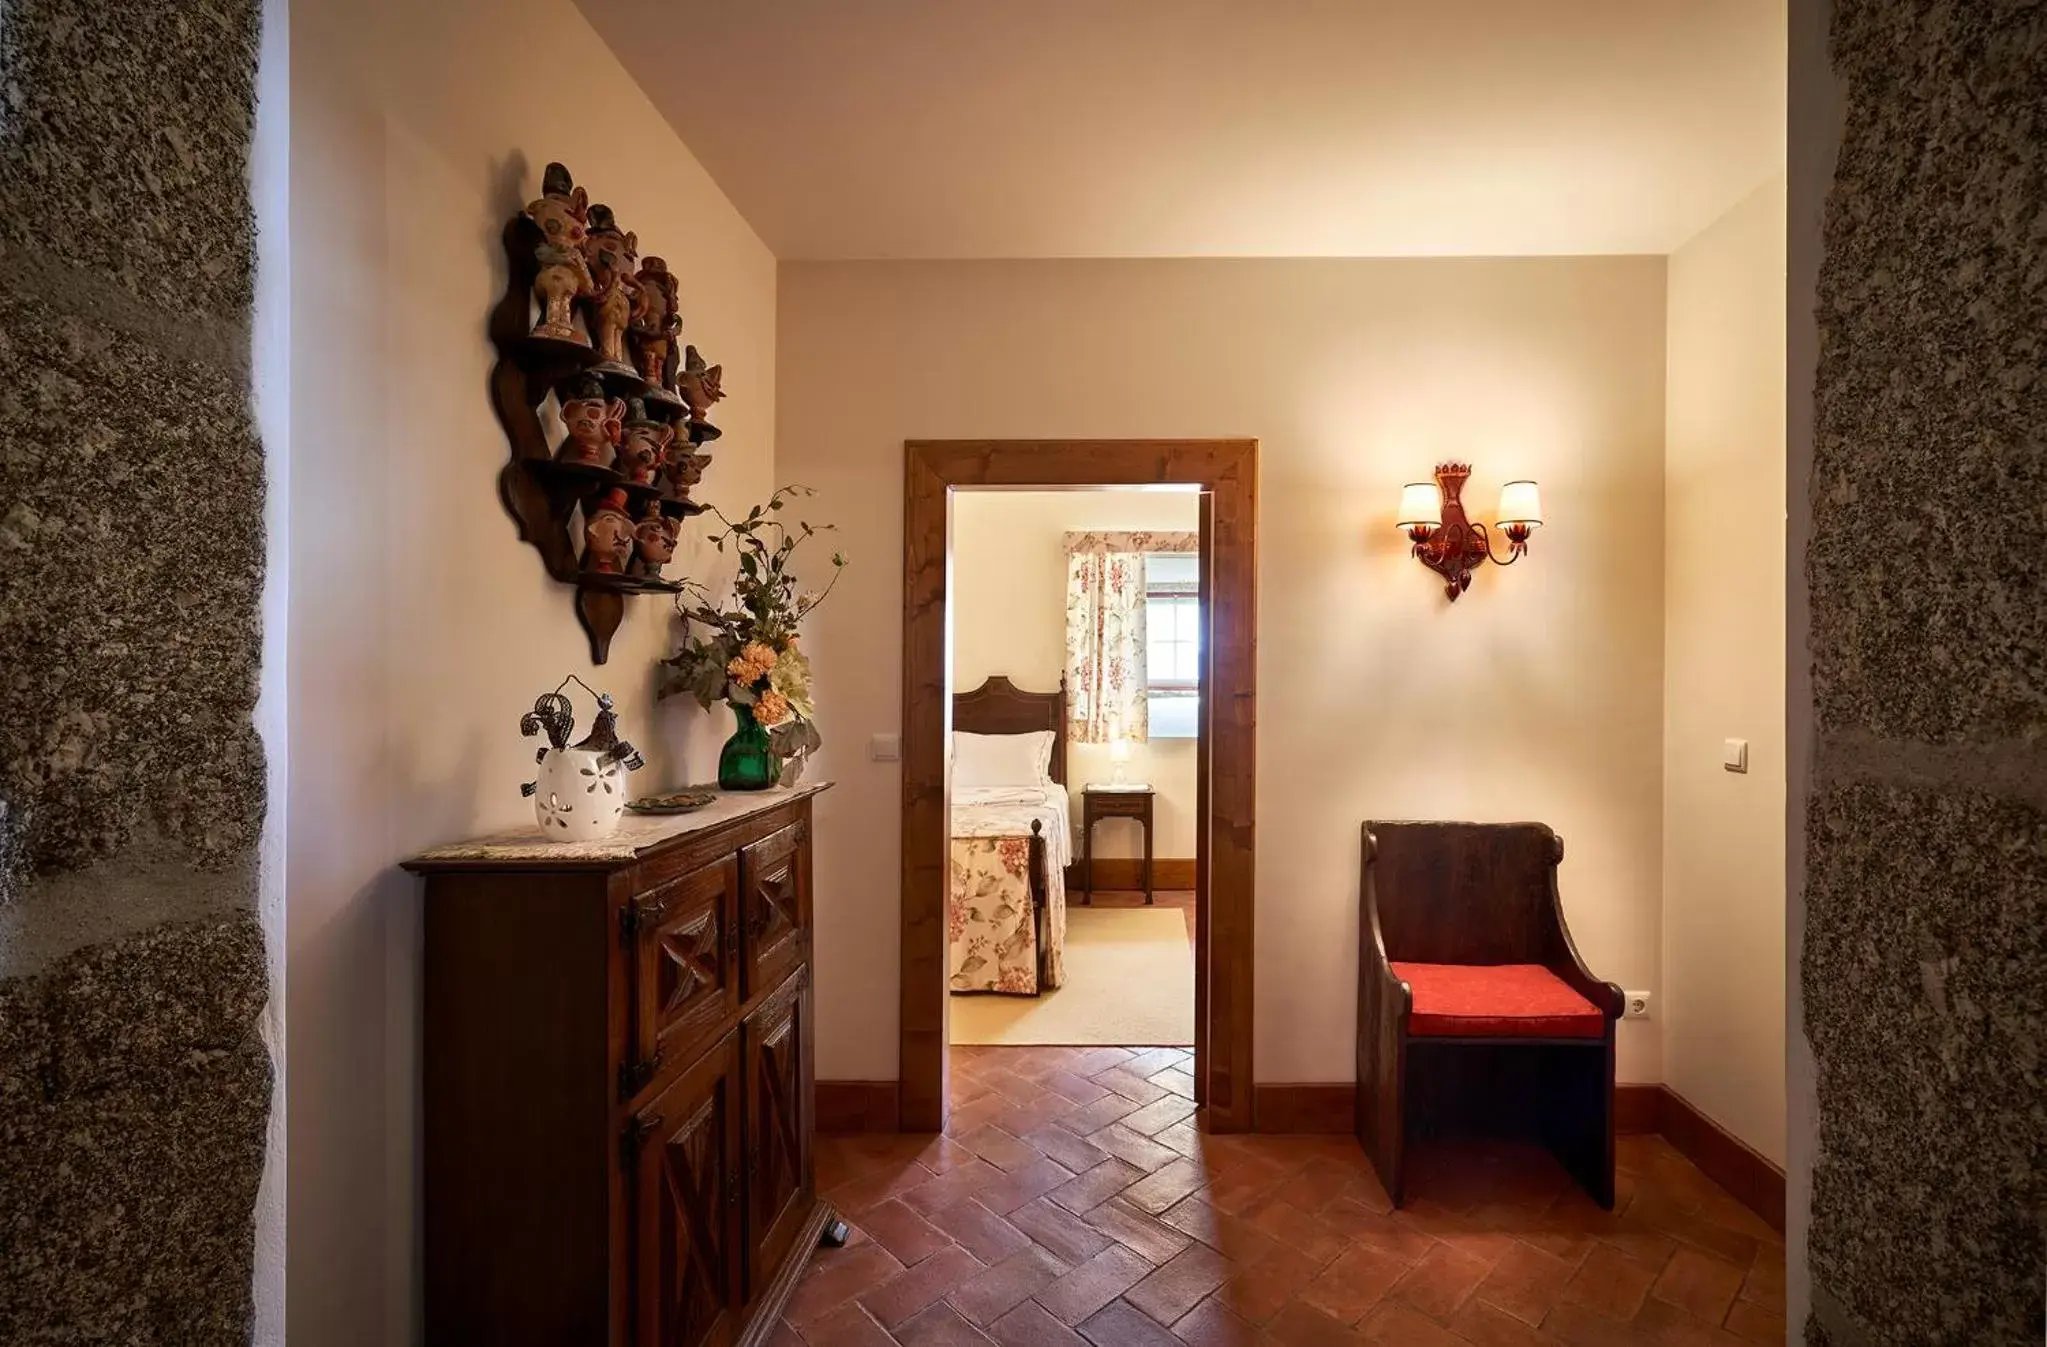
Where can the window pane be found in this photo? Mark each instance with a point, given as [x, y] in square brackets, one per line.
[1172, 568]
[1173, 630]
[1174, 717]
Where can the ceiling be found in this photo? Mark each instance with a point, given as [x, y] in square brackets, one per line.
[1175, 128]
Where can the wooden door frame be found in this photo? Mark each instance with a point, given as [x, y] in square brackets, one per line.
[1227, 473]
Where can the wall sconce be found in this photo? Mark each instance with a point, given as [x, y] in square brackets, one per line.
[1449, 543]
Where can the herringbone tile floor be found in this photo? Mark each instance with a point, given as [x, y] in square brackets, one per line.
[1073, 1199]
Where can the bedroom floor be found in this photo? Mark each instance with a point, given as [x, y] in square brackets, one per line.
[1073, 1201]
[1129, 978]
[1180, 898]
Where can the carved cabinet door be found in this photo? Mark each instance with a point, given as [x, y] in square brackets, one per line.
[774, 906]
[686, 1214]
[685, 970]
[778, 1123]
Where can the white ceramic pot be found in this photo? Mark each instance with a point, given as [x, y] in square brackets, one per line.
[578, 796]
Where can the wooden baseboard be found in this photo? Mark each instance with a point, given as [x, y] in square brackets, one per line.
[1314, 1108]
[1723, 1157]
[1637, 1109]
[857, 1106]
[1168, 874]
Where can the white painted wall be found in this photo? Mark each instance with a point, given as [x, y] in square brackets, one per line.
[1538, 695]
[420, 626]
[1009, 617]
[1723, 661]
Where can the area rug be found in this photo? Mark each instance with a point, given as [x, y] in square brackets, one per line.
[1129, 980]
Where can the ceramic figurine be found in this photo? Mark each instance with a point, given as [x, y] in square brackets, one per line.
[608, 537]
[657, 317]
[645, 447]
[579, 793]
[595, 423]
[698, 383]
[613, 256]
[561, 212]
[655, 538]
[683, 470]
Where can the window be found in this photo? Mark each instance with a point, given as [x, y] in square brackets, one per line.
[1172, 621]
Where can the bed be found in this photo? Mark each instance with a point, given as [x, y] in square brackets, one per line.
[1011, 841]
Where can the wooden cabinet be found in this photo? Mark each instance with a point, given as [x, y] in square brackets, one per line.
[685, 969]
[687, 1191]
[619, 1081]
[774, 886]
[779, 1111]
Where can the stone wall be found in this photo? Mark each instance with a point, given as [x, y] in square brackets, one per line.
[1925, 920]
[134, 1088]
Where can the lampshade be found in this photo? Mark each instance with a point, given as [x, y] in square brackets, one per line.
[1421, 503]
[1520, 503]
[1119, 749]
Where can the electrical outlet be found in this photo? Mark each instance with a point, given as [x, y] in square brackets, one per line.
[1637, 1006]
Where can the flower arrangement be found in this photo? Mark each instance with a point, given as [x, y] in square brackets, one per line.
[747, 653]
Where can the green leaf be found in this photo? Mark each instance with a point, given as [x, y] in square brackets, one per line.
[795, 738]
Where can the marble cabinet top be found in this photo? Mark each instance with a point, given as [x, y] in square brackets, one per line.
[636, 835]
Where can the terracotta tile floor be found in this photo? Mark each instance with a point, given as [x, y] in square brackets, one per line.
[1073, 1200]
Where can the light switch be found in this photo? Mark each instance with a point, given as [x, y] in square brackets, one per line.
[1734, 755]
[885, 747]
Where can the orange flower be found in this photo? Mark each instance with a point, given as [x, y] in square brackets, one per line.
[772, 709]
[752, 663]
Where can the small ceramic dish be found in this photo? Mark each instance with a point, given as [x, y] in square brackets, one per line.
[681, 802]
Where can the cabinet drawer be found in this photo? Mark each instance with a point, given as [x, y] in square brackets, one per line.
[1135, 806]
[685, 976]
[774, 907]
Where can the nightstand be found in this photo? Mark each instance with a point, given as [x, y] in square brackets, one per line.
[1102, 801]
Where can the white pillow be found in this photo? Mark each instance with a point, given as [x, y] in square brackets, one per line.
[1002, 759]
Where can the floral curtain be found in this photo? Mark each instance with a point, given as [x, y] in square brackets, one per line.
[1105, 624]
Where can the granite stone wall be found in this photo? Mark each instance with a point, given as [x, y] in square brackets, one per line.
[1926, 866]
[134, 1088]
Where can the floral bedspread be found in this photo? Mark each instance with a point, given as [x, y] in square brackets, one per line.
[994, 933]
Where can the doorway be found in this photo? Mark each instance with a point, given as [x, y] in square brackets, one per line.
[1082, 602]
[1224, 473]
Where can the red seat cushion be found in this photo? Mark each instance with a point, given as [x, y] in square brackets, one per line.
[1509, 1000]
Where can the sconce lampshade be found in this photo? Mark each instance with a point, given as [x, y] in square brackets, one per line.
[1421, 503]
[1520, 503]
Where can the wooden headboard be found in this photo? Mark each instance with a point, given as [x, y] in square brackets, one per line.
[999, 706]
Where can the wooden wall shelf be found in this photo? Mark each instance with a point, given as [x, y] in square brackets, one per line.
[592, 437]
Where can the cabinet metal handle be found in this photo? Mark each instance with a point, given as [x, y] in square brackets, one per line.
[634, 1077]
[635, 1135]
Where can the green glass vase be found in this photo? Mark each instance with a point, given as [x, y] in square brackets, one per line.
[748, 760]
